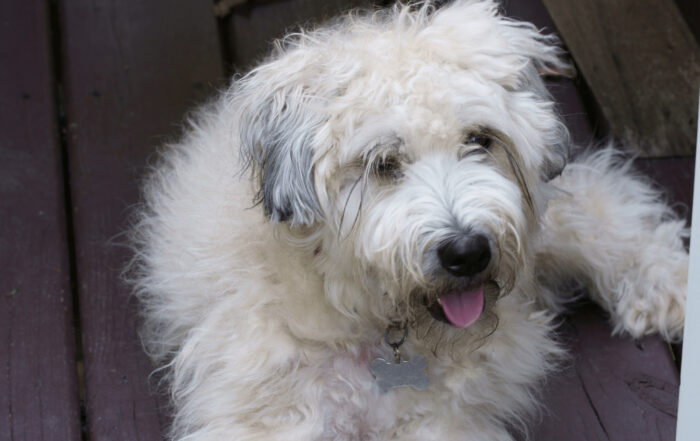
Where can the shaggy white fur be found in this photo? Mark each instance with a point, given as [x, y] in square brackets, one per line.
[377, 145]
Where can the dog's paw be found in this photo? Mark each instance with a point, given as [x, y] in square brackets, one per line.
[654, 304]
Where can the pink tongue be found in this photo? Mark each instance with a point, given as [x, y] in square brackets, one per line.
[463, 308]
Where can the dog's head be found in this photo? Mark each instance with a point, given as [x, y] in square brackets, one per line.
[412, 145]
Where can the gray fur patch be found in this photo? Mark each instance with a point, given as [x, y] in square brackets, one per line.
[276, 137]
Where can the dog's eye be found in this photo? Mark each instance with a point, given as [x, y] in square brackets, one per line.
[479, 138]
[388, 166]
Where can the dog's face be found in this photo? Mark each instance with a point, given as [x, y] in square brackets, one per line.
[414, 146]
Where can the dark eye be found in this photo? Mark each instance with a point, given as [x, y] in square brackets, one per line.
[479, 138]
[387, 167]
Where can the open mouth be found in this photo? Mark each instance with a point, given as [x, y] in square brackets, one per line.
[461, 308]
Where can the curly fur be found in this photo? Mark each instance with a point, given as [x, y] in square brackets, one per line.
[267, 315]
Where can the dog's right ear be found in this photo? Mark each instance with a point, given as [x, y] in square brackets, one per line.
[277, 128]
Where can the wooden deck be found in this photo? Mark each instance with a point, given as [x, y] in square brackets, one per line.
[87, 91]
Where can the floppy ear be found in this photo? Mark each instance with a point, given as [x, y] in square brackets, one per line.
[555, 163]
[277, 130]
[557, 139]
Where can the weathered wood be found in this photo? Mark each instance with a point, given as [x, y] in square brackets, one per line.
[131, 70]
[612, 388]
[252, 27]
[38, 385]
[643, 65]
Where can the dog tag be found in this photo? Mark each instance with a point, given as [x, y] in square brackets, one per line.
[390, 374]
[401, 372]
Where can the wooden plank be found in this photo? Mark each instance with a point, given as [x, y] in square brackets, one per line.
[643, 65]
[131, 69]
[38, 385]
[612, 388]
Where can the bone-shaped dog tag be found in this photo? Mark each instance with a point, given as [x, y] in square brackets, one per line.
[390, 374]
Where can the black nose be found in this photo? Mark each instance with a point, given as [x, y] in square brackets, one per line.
[465, 255]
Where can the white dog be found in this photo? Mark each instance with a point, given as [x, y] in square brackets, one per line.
[398, 277]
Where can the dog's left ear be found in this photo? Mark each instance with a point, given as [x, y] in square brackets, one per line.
[277, 130]
[558, 156]
[555, 163]
[558, 140]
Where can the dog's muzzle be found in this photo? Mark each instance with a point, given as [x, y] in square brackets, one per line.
[466, 258]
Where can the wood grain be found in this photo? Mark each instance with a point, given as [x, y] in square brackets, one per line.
[132, 69]
[612, 388]
[643, 65]
[38, 383]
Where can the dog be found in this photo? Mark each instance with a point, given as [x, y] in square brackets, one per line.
[368, 235]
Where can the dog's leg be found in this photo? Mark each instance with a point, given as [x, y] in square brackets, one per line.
[612, 230]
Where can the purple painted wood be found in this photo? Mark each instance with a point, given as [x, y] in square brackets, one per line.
[675, 176]
[612, 388]
[38, 384]
[131, 71]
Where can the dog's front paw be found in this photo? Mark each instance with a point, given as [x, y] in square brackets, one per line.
[654, 304]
